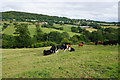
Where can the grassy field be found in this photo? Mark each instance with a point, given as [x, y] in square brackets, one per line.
[10, 30]
[110, 26]
[88, 61]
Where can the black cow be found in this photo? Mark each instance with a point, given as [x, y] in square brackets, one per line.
[113, 42]
[47, 52]
[96, 43]
[110, 42]
[53, 48]
[72, 49]
[62, 47]
[106, 43]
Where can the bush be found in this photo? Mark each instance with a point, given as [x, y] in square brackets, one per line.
[43, 44]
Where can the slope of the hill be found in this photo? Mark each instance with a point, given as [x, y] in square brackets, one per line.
[23, 16]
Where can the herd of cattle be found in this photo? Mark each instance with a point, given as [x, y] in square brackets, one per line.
[110, 42]
[54, 49]
[67, 46]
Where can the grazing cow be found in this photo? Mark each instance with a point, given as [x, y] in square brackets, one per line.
[80, 44]
[47, 52]
[110, 42]
[53, 48]
[96, 43]
[113, 42]
[71, 49]
[62, 47]
[100, 42]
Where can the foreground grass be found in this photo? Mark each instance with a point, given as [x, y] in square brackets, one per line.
[88, 61]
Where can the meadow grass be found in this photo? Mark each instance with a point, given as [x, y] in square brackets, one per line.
[88, 61]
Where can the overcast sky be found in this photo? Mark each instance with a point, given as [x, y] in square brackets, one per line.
[102, 10]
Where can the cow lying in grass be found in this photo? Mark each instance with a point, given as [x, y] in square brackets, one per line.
[71, 49]
[47, 52]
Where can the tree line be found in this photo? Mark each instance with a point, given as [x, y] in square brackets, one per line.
[22, 38]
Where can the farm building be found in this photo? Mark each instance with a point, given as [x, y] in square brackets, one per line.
[84, 27]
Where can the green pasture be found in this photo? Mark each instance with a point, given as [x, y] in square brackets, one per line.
[10, 30]
[87, 61]
[110, 26]
[66, 27]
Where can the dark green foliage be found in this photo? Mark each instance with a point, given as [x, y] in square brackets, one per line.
[96, 36]
[77, 29]
[28, 17]
[95, 25]
[80, 29]
[8, 41]
[76, 39]
[111, 33]
[40, 36]
[5, 25]
[23, 38]
[83, 23]
[55, 37]
[74, 29]
[65, 40]
[65, 35]
[38, 30]
[43, 44]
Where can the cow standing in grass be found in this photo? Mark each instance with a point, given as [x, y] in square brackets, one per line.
[53, 48]
[100, 42]
[80, 44]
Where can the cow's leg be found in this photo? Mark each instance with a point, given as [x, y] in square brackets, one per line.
[54, 50]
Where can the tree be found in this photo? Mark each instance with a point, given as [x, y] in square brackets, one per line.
[55, 37]
[8, 41]
[39, 34]
[22, 37]
[65, 40]
[38, 30]
[65, 35]
[96, 36]
[80, 29]
[74, 29]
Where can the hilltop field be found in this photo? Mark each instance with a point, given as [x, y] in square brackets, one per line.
[88, 61]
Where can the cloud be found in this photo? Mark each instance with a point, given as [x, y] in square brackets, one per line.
[103, 11]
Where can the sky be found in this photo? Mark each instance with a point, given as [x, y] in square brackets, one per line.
[99, 10]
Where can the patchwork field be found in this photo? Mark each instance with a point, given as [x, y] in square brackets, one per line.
[10, 30]
[88, 61]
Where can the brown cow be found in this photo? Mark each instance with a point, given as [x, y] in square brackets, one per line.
[100, 42]
[80, 44]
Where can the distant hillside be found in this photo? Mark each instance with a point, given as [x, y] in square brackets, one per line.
[29, 17]
[23, 16]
